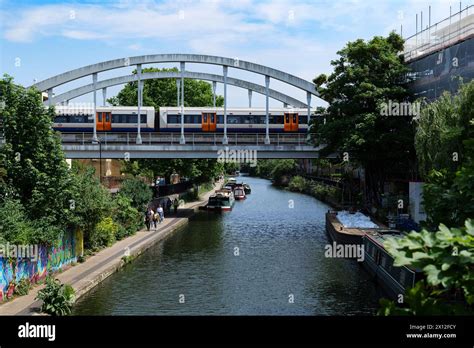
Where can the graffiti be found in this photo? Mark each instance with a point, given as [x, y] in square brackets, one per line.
[50, 259]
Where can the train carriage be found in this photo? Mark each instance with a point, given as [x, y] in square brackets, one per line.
[168, 119]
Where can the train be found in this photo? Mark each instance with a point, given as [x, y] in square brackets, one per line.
[168, 119]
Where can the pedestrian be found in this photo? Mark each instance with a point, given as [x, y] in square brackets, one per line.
[175, 205]
[148, 218]
[156, 219]
[161, 213]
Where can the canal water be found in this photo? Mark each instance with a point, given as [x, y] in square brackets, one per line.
[265, 257]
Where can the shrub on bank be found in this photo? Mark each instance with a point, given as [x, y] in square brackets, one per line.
[298, 184]
[104, 233]
[57, 298]
[128, 218]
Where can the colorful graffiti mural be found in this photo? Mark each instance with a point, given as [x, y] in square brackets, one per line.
[49, 259]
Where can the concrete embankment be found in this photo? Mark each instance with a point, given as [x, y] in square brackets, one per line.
[84, 276]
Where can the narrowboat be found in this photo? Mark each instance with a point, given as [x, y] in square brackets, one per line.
[239, 193]
[221, 200]
[247, 189]
[341, 234]
[379, 264]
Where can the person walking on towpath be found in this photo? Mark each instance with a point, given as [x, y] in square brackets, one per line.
[148, 218]
[161, 213]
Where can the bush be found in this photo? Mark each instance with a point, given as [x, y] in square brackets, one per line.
[23, 287]
[57, 298]
[104, 233]
[139, 193]
[127, 217]
[298, 184]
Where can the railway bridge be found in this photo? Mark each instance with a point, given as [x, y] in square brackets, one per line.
[181, 145]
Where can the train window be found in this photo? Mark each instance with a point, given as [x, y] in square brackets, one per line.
[142, 118]
[116, 118]
[174, 119]
[100, 116]
[132, 118]
[303, 119]
[60, 119]
[220, 119]
[278, 119]
[233, 119]
[248, 119]
[107, 117]
[287, 118]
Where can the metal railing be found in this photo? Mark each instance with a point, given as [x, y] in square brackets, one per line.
[109, 138]
[456, 28]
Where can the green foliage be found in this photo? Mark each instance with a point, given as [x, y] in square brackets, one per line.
[34, 168]
[366, 75]
[163, 92]
[91, 202]
[127, 217]
[15, 227]
[137, 191]
[446, 257]
[442, 127]
[23, 287]
[57, 298]
[104, 233]
[298, 184]
[197, 170]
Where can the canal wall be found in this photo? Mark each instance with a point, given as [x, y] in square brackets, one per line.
[49, 259]
[85, 276]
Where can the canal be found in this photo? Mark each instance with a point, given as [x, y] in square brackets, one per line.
[265, 257]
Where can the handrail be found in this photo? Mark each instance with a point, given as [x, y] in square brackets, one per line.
[129, 138]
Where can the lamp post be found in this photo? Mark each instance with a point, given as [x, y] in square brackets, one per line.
[99, 141]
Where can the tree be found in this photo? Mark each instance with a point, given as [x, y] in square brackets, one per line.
[35, 171]
[163, 92]
[445, 149]
[137, 191]
[367, 76]
[91, 202]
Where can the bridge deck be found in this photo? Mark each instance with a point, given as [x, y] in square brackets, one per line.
[197, 145]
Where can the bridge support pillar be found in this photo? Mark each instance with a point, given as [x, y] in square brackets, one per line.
[225, 140]
[50, 96]
[94, 82]
[182, 139]
[214, 86]
[104, 96]
[308, 100]
[267, 118]
[178, 91]
[285, 105]
[140, 99]
[250, 98]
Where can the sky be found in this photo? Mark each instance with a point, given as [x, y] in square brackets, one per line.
[40, 39]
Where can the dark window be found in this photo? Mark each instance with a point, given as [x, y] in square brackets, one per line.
[116, 118]
[142, 118]
[60, 119]
[220, 119]
[174, 119]
[303, 119]
[132, 118]
[233, 119]
[100, 116]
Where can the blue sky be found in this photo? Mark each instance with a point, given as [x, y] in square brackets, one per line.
[40, 39]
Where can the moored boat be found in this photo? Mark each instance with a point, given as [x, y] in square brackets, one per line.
[221, 200]
[239, 193]
[379, 263]
[247, 188]
[342, 234]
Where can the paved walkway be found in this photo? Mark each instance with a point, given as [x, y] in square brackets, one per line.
[84, 276]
